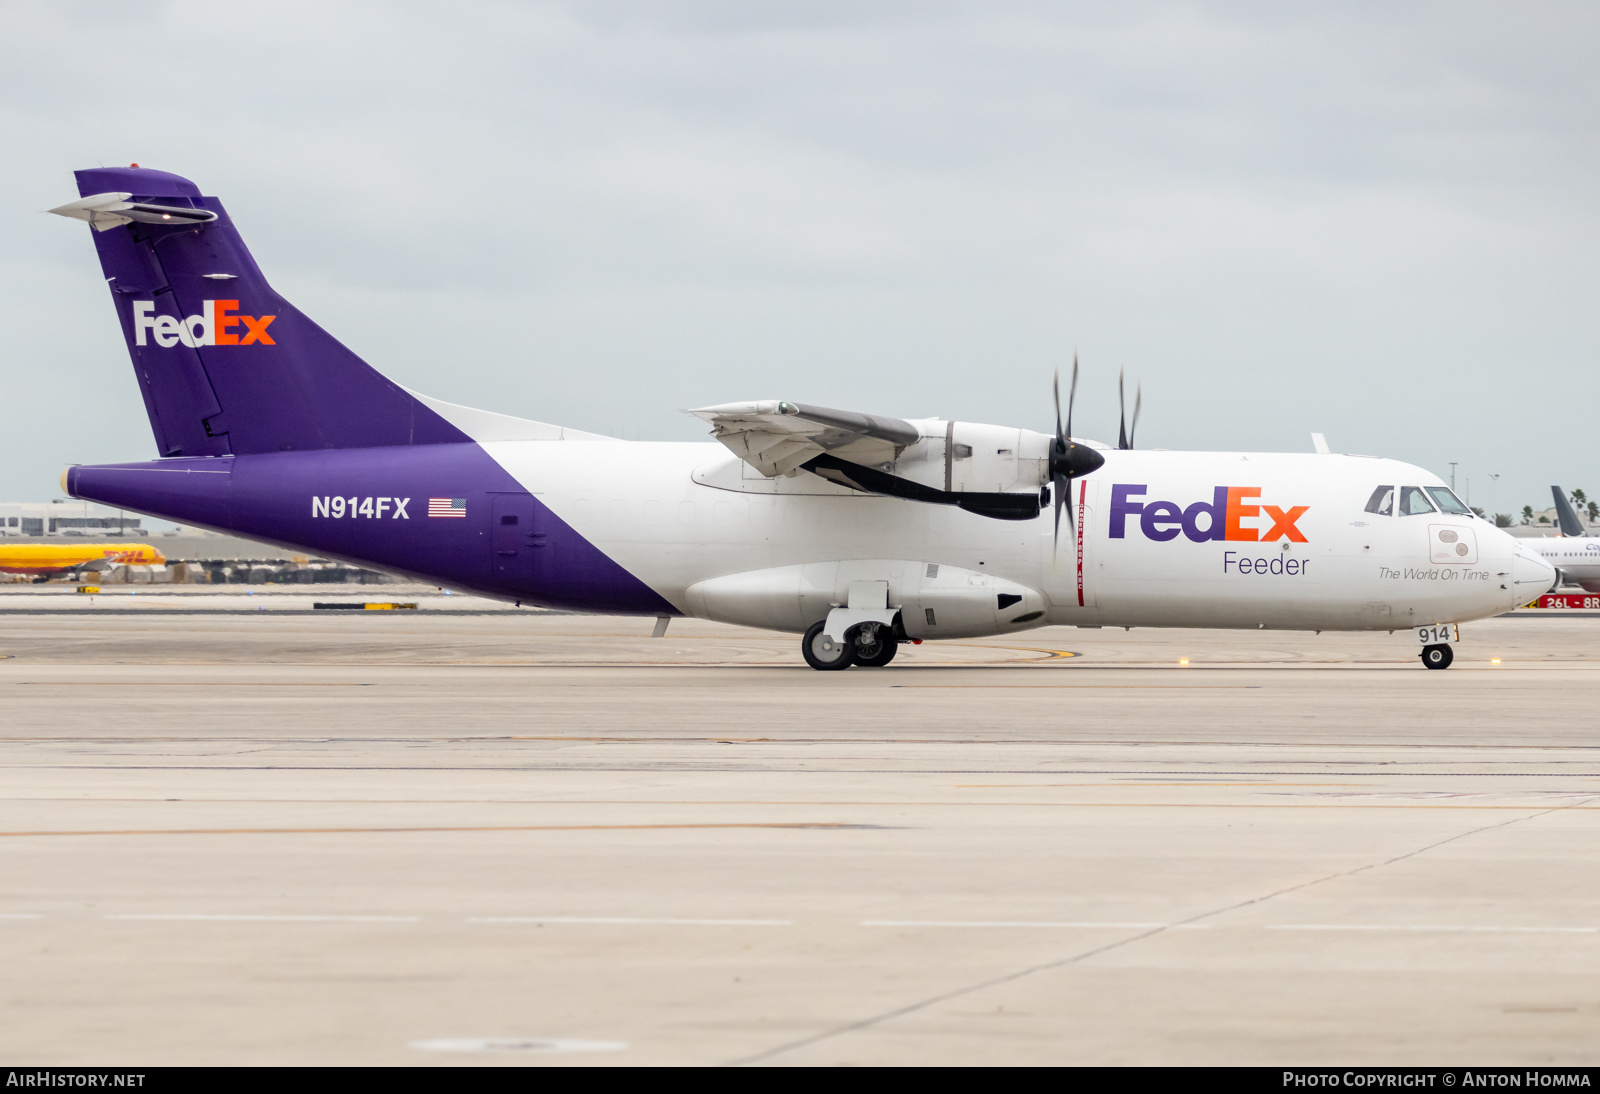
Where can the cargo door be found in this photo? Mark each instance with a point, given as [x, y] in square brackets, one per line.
[515, 541]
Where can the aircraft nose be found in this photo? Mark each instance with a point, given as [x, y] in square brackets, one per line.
[1531, 575]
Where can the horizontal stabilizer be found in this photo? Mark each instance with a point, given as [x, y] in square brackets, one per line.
[105, 211]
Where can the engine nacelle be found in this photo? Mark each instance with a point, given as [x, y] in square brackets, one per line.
[968, 457]
[934, 600]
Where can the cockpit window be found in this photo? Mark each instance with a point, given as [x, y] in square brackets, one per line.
[1382, 501]
[1448, 502]
[1413, 502]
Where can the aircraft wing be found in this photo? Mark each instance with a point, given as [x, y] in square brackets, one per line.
[776, 437]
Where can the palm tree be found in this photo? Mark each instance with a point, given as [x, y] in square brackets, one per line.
[1527, 514]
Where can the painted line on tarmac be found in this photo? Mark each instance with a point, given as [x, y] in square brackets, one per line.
[1537, 805]
[1425, 927]
[517, 1044]
[825, 825]
[194, 918]
[1050, 655]
[664, 921]
[633, 768]
[1029, 923]
[176, 684]
[1104, 947]
[1198, 781]
[632, 920]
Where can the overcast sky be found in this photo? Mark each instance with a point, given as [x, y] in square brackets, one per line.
[1372, 220]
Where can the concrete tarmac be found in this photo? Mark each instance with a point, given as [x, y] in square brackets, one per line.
[403, 838]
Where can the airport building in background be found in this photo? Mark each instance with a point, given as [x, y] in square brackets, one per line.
[194, 555]
[67, 518]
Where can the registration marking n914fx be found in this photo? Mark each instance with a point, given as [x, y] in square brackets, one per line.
[372, 508]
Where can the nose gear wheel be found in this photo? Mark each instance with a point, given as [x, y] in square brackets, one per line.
[1437, 657]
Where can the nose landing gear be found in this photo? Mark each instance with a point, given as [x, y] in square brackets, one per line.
[1437, 657]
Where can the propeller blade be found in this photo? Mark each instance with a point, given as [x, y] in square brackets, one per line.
[1138, 401]
[1072, 393]
[1061, 486]
[1122, 413]
[1055, 389]
[1068, 460]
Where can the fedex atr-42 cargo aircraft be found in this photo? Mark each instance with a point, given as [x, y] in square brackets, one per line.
[857, 531]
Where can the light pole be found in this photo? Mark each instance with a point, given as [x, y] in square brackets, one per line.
[1452, 476]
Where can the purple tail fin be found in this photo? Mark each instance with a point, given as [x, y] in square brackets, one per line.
[225, 364]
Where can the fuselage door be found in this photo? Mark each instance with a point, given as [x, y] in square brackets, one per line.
[514, 539]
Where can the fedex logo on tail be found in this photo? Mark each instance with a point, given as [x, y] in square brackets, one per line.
[1223, 517]
[214, 326]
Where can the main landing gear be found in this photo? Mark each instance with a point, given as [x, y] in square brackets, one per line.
[870, 645]
[1437, 657]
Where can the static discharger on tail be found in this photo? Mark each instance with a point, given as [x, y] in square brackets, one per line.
[859, 532]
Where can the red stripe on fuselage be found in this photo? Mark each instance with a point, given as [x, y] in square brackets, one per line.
[1083, 493]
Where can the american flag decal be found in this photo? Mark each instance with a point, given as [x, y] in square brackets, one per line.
[447, 507]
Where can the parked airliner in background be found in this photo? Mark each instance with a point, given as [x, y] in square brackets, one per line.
[1575, 555]
[859, 532]
[47, 560]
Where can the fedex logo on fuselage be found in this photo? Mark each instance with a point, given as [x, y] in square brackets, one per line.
[1222, 517]
[214, 326]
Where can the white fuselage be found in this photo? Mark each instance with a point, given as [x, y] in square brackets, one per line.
[718, 540]
[1577, 557]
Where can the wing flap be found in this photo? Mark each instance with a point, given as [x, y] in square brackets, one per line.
[777, 437]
